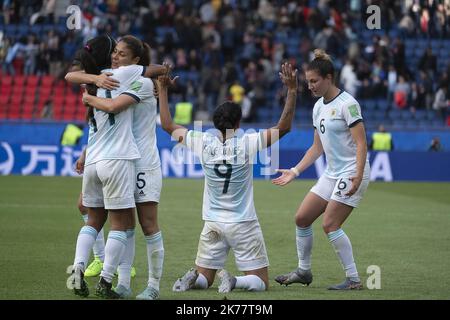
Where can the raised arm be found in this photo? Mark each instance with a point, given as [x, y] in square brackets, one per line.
[175, 130]
[313, 153]
[156, 70]
[107, 105]
[289, 79]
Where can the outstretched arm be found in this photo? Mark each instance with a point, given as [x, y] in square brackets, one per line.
[176, 131]
[107, 105]
[289, 78]
[313, 153]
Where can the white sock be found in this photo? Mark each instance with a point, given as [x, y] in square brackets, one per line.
[85, 241]
[124, 269]
[201, 282]
[304, 241]
[155, 258]
[115, 246]
[343, 248]
[99, 245]
[250, 283]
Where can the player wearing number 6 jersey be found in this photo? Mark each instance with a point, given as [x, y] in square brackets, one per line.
[228, 208]
[339, 133]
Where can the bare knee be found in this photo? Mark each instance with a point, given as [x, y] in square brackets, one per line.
[330, 226]
[302, 222]
[148, 217]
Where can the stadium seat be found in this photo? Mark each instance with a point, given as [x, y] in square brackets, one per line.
[368, 104]
[420, 114]
[7, 80]
[19, 80]
[32, 81]
[47, 81]
[406, 115]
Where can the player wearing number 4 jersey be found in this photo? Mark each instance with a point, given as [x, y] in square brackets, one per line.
[339, 133]
[114, 122]
[228, 208]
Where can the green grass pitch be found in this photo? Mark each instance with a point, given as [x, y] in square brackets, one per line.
[401, 227]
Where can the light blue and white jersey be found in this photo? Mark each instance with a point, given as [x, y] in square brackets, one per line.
[110, 135]
[333, 121]
[228, 192]
[144, 123]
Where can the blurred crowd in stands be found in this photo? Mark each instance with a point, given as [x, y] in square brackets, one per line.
[233, 49]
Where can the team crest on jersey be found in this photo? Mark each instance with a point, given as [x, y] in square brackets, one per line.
[136, 86]
[333, 112]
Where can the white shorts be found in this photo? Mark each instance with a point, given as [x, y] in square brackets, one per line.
[244, 238]
[335, 189]
[109, 184]
[148, 185]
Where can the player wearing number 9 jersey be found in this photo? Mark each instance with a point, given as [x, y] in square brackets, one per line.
[228, 208]
[339, 133]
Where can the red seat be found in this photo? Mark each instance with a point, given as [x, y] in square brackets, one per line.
[7, 81]
[32, 81]
[47, 81]
[19, 81]
[4, 99]
[16, 99]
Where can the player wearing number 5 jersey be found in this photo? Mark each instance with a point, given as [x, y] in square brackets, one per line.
[228, 208]
[339, 133]
[140, 96]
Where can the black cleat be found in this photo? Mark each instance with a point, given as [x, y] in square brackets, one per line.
[104, 290]
[304, 277]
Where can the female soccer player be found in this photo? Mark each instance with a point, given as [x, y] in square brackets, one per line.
[131, 50]
[228, 208]
[339, 133]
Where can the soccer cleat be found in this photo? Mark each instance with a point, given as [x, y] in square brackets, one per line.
[304, 277]
[77, 283]
[149, 293]
[347, 285]
[186, 282]
[104, 290]
[227, 281]
[94, 269]
[123, 292]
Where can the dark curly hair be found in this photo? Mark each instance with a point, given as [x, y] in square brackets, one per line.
[93, 58]
[227, 116]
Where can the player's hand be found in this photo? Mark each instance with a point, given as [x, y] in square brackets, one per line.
[85, 98]
[356, 182]
[289, 76]
[165, 82]
[286, 177]
[168, 67]
[105, 81]
[79, 164]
